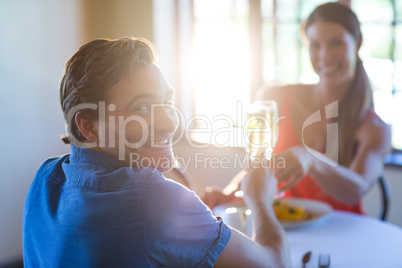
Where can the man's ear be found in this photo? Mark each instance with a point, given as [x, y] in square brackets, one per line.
[88, 128]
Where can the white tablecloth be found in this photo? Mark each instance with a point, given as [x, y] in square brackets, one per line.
[352, 240]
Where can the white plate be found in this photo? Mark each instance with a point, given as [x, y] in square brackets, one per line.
[237, 215]
[316, 209]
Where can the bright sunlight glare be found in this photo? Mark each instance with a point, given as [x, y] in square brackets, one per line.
[221, 57]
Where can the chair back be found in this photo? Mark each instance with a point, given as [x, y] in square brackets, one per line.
[385, 196]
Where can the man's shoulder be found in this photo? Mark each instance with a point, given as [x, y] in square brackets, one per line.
[60, 171]
[100, 172]
[52, 168]
[175, 218]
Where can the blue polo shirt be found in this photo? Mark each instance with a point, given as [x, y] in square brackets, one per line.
[86, 209]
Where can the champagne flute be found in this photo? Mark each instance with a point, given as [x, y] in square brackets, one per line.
[261, 131]
[261, 134]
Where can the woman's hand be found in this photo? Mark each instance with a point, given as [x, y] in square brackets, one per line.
[213, 196]
[298, 162]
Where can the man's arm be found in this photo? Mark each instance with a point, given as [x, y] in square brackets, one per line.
[269, 247]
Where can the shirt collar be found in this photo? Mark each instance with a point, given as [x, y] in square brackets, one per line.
[89, 156]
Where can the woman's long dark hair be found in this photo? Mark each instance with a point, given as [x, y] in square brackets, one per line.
[358, 100]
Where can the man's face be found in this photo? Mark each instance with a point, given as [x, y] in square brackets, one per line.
[144, 120]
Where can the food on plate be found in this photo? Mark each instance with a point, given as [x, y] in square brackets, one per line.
[284, 211]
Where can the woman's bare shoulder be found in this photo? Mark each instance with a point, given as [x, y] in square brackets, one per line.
[269, 92]
[277, 92]
[374, 132]
[299, 90]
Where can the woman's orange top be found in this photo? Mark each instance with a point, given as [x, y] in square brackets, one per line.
[307, 187]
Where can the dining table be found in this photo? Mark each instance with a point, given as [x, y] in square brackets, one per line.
[352, 240]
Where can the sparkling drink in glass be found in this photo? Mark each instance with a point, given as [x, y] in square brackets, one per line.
[261, 131]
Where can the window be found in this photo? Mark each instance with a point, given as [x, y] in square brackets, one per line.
[221, 56]
[381, 22]
[242, 44]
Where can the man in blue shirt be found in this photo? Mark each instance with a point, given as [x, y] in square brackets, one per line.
[107, 203]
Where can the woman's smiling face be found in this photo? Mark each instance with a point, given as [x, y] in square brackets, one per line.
[333, 53]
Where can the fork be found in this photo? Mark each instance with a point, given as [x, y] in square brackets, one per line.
[324, 260]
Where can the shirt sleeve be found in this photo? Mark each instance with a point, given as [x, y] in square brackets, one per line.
[179, 230]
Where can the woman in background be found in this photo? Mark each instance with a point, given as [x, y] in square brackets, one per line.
[339, 169]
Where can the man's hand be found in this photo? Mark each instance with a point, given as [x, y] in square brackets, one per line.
[259, 186]
[269, 247]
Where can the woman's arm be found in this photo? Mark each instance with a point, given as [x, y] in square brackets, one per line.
[347, 184]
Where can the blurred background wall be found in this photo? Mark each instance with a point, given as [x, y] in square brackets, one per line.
[36, 39]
